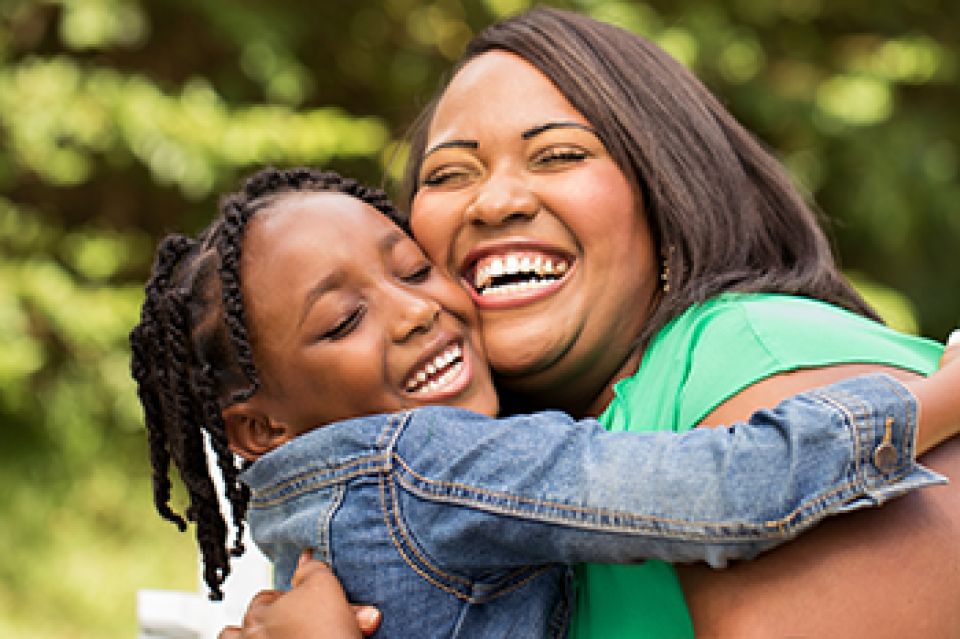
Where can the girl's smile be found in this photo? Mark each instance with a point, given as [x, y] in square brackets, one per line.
[338, 297]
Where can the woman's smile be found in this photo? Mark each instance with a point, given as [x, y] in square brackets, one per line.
[514, 272]
[520, 200]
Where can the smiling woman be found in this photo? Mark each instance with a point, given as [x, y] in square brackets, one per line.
[507, 151]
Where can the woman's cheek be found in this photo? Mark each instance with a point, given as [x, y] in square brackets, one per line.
[434, 232]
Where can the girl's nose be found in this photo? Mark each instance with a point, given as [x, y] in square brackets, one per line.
[412, 313]
[503, 199]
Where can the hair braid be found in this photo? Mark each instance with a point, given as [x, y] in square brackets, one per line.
[235, 217]
[192, 357]
[204, 508]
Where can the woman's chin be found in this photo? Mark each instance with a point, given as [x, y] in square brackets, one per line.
[519, 368]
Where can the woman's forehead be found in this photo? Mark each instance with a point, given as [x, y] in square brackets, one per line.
[495, 89]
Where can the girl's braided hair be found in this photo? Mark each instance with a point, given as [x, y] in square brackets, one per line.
[192, 356]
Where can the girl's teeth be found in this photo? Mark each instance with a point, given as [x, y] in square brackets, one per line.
[442, 381]
[439, 363]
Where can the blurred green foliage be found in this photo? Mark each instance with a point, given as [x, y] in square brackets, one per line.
[121, 120]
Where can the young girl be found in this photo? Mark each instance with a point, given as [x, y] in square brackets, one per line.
[341, 317]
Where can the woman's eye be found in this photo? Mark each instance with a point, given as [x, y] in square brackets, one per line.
[555, 156]
[441, 177]
[346, 326]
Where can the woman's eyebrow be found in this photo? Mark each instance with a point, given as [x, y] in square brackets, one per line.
[526, 135]
[453, 144]
[543, 128]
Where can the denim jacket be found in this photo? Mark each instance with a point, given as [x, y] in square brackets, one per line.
[460, 525]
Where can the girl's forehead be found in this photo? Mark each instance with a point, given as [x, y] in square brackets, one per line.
[317, 216]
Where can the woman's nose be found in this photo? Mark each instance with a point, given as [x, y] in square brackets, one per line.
[502, 199]
[412, 313]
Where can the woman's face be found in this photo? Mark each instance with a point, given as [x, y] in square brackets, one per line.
[519, 199]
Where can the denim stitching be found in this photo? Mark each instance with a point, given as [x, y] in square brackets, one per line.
[413, 547]
[391, 518]
[316, 481]
[905, 448]
[781, 525]
[323, 523]
[842, 403]
[910, 404]
[396, 508]
[394, 513]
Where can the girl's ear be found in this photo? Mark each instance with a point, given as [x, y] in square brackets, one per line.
[252, 433]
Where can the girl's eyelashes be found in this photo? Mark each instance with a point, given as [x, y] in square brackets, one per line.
[346, 326]
[420, 275]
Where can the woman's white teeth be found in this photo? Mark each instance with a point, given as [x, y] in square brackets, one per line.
[513, 265]
[439, 364]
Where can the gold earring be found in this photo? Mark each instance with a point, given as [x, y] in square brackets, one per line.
[665, 274]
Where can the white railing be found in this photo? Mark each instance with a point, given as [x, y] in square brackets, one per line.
[168, 614]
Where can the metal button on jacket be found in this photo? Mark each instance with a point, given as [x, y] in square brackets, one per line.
[885, 457]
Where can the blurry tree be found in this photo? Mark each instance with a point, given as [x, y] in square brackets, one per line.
[123, 119]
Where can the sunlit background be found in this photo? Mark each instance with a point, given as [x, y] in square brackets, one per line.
[121, 120]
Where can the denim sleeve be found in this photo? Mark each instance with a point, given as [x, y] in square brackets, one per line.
[479, 494]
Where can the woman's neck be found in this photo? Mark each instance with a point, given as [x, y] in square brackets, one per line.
[518, 398]
[600, 403]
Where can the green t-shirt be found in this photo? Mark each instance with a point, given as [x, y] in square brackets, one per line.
[705, 356]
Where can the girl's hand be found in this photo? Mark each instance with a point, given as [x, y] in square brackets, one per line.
[315, 608]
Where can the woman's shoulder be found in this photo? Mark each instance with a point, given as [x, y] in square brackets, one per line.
[789, 331]
[718, 348]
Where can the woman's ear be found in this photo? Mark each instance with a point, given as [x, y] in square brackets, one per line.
[252, 433]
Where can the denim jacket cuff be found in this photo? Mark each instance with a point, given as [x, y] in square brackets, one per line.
[883, 417]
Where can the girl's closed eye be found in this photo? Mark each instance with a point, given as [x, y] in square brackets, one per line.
[419, 275]
[346, 325]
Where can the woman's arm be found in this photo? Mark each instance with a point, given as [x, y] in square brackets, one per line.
[888, 572]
